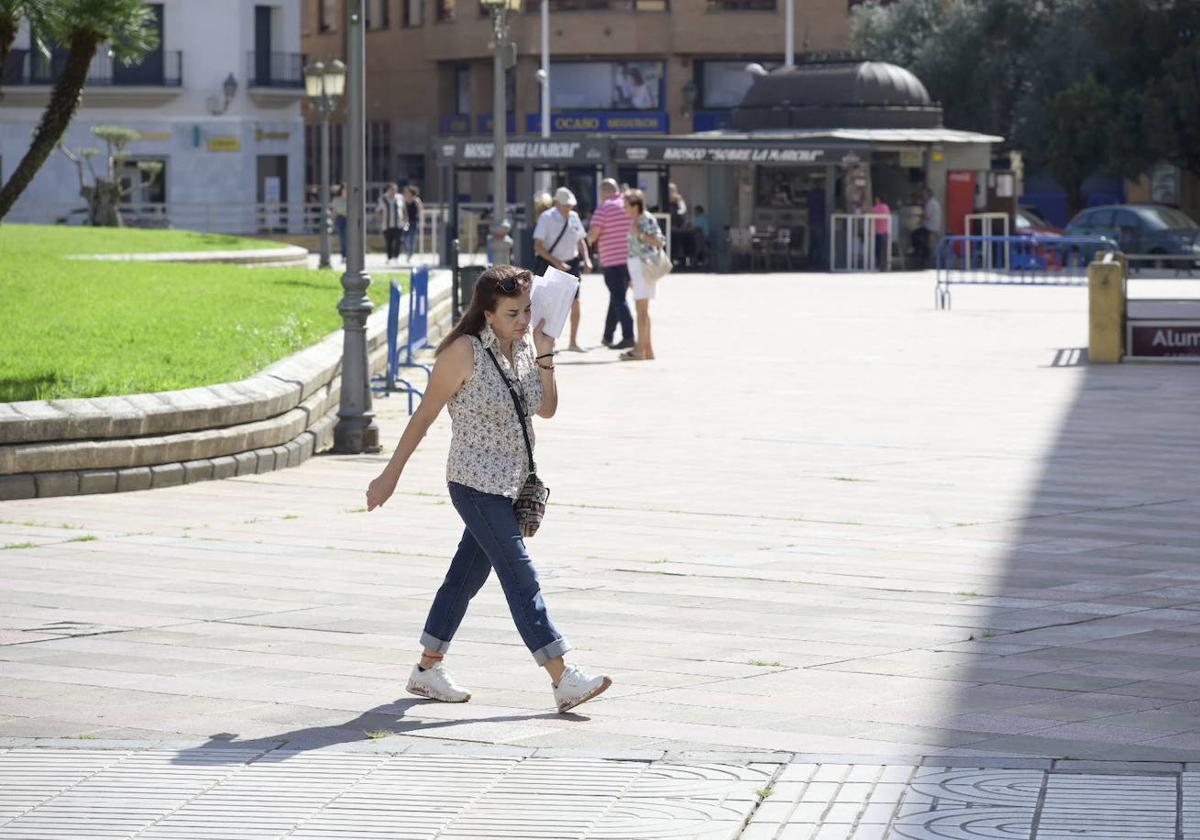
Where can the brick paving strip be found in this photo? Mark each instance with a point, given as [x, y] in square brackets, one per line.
[235, 792]
[828, 521]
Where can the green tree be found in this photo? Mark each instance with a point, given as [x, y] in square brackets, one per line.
[42, 15]
[1076, 131]
[124, 26]
[105, 191]
[1153, 67]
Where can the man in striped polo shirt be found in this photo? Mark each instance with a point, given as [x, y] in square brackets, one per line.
[610, 226]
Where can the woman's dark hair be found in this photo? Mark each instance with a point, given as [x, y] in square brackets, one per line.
[637, 198]
[492, 285]
[636, 75]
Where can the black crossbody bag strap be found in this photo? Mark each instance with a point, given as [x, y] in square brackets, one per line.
[512, 392]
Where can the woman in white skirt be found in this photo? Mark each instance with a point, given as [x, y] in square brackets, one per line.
[645, 243]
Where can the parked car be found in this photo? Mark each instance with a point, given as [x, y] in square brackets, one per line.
[1030, 222]
[1141, 229]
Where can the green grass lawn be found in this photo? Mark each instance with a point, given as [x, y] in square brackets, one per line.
[81, 328]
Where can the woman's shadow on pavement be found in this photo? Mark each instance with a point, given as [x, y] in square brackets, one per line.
[373, 725]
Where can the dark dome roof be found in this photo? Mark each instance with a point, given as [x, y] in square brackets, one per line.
[842, 94]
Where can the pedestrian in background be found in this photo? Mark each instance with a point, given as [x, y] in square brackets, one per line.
[559, 239]
[413, 208]
[677, 207]
[645, 242]
[338, 205]
[931, 222]
[487, 366]
[392, 220]
[610, 228]
[883, 228]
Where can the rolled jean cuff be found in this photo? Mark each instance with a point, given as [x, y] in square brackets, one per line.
[555, 649]
[434, 644]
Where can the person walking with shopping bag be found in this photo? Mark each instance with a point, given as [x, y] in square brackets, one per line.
[494, 374]
[648, 262]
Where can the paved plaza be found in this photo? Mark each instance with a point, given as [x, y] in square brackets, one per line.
[858, 568]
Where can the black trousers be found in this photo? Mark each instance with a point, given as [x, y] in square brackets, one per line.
[616, 277]
[391, 238]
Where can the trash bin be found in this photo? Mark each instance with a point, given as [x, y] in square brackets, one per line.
[467, 276]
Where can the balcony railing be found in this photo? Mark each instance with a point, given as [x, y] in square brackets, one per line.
[276, 69]
[605, 6]
[161, 68]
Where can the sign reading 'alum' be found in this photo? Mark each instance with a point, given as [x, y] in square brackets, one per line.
[1164, 339]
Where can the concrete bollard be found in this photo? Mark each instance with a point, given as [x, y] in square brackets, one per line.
[1106, 309]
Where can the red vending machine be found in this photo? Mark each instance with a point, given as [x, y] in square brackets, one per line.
[960, 199]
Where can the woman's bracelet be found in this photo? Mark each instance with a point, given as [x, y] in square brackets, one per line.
[546, 356]
[546, 367]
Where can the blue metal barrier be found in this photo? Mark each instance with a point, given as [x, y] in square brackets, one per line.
[1014, 261]
[416, 338]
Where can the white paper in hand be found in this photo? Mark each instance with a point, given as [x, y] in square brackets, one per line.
[553, 294]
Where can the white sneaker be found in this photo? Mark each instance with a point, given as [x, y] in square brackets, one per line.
[436, 684]
[576, 687]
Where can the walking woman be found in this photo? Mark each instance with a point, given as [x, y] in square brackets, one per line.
[486, 364]
[645, 241]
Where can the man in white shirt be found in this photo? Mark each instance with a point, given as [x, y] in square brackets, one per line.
[931, 223]
[560, 240]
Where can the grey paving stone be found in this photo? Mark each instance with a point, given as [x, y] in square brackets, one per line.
[17, 487]
[167, 475]
[224, 466]
[266, 460]
[247, 463]
[194, 471]
[65, 483]
[134, 478]
[97, 481]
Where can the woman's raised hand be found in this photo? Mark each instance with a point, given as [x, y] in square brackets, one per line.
[381, 489]
[544, 343]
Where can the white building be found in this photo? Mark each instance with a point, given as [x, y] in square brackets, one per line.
[231, 164]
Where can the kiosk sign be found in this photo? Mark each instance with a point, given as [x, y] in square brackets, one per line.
[1164, 339]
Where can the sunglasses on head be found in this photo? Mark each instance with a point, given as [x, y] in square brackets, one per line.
[509, 285]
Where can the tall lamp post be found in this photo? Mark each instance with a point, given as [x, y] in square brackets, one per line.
[324, 84]
[355, 431]
[501, 62]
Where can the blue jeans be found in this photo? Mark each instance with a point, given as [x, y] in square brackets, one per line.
[491, 540]
[409, 239]
[616, 277]
[339, 224]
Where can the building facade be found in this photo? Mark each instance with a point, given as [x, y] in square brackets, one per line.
[217, 104]
[646, 67]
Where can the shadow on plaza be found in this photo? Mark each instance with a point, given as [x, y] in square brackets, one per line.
[375, 725]
[1093, 620]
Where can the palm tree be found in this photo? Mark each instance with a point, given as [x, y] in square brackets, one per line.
[127, 29]
[42, 15]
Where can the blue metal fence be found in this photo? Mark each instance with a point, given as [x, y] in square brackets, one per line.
[400, 356]
[1014, 261]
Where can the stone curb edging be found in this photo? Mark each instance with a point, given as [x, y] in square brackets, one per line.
[240, 446]
[284, 256]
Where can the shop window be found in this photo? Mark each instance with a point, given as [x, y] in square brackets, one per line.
[445, 10]
[607, 85]
[740, 5]
[412, 13]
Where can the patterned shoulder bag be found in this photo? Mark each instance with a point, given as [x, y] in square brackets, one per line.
[530, 505]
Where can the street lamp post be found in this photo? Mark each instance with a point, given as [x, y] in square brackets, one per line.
[324, 84]
[501, 61]
[355, 431]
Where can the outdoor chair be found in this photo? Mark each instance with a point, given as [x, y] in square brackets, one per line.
[780, 248]
[741, 248]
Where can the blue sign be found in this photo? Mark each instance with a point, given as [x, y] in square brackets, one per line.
[455, 125]
[712, 120]
[615, 122]
[487, 125]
